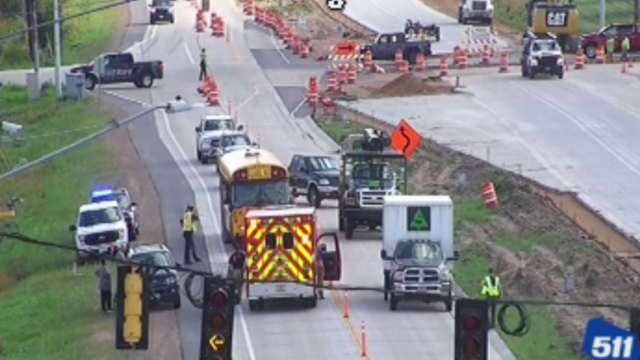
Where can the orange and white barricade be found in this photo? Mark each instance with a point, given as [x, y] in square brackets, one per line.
[313, 95]
[579, 60]
[421, 62]
[213, 97]
[443, 67]
[352, 73]
[600, 55]
[368, 61]
[489, 195]
[304, 49]
[248, 7]
[332, 81]
[463, 60]
[343, 76]
[504, 63]
[486, 55]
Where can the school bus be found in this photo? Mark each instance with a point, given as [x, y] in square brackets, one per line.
[249, 179]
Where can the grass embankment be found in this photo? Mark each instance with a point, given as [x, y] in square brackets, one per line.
[472, 267]
[83, 38]
[513, 13]
[47, 311]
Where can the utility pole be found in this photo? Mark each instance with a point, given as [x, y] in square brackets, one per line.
[636, 11]
[36, 41]
[603, 13]
[57, 43]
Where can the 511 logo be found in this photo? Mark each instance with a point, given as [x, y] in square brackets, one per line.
[604, 341]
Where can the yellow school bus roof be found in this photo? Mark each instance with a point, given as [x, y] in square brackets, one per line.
[281, 211]
[231, 162]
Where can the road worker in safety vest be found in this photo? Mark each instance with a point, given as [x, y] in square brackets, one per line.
[491, 291]
[189, 223]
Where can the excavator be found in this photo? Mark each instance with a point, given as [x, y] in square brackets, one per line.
[553, 17]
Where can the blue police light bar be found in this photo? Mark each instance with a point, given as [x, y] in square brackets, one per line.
[101, 193]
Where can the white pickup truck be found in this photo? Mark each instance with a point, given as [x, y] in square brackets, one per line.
[209, 133]
[100, 228]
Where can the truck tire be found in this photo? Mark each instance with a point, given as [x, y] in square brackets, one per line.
[253, 305]
[177, 303]
[448, 305]
[349, 227]
[590, 51]
[459, 16]
[145, 79]
[386, 281]
[90, 82]
[340, 222]
[393, 303]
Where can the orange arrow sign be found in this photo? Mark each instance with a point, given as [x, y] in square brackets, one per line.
[216, 342]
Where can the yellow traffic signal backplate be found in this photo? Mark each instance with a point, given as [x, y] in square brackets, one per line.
[217, 342]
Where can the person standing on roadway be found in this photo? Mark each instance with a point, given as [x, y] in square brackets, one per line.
[189, 224]
[237, 262]
[611, 48]
[104, 285]
[319, 262]
[625, 46]
[491, 291]
[203, 65]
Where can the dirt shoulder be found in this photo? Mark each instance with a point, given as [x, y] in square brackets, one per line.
[534, 246]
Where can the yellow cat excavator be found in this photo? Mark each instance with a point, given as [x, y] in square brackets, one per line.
[550, 16]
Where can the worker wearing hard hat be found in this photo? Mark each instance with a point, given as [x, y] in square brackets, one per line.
[189, 224]
[491, 291]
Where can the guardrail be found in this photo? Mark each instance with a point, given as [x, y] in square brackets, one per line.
[595, 227]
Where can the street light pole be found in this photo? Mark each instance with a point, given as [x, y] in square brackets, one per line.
[57, 43]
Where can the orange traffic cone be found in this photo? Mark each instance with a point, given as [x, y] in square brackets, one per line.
[623, 70]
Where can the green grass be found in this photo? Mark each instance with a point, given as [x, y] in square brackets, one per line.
[48, 312]
[84, 37]
[543, 341]
[53, 316]
[513, 13]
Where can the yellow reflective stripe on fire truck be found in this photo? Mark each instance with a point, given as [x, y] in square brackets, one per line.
[301, 255]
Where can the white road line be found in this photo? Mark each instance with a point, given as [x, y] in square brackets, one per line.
[186, 50]
[123, 97]
[295, 109]
[275, 45]
[216, 224]
[149, 34]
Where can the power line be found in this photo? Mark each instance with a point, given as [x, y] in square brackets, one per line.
[70, 17]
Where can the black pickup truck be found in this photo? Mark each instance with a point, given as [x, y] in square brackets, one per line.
[385, 46]
[118, 68]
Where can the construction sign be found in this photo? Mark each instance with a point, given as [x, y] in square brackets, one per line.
[418, 218]
[405, 139]
[346, 48]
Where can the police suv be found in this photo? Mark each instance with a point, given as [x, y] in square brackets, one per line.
[127, 205]
[541, 55]
[209, 134]
[100, 228]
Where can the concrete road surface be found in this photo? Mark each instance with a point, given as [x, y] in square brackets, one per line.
[261, 80]
[391, 15]
[579, 134]
[264, 85]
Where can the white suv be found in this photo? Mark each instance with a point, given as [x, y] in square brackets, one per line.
[208, 135]
[100, 227]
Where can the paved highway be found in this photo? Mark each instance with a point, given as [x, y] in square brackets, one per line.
[265, 86]
[391, 15]
[579, 134]
[266, 92]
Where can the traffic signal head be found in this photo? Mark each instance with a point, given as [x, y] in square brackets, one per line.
[471, 327]
[132, 309]
[217, 320]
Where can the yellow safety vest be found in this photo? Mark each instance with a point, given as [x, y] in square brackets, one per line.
[625, 44]
[187, 222]
[203, 59]
[491, 288]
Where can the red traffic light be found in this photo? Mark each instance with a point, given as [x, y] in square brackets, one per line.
[220, 299]
[471, 322]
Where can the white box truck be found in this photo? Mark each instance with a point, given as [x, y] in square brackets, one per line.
[417, 249]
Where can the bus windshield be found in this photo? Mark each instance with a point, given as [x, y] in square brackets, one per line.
[261, 193]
